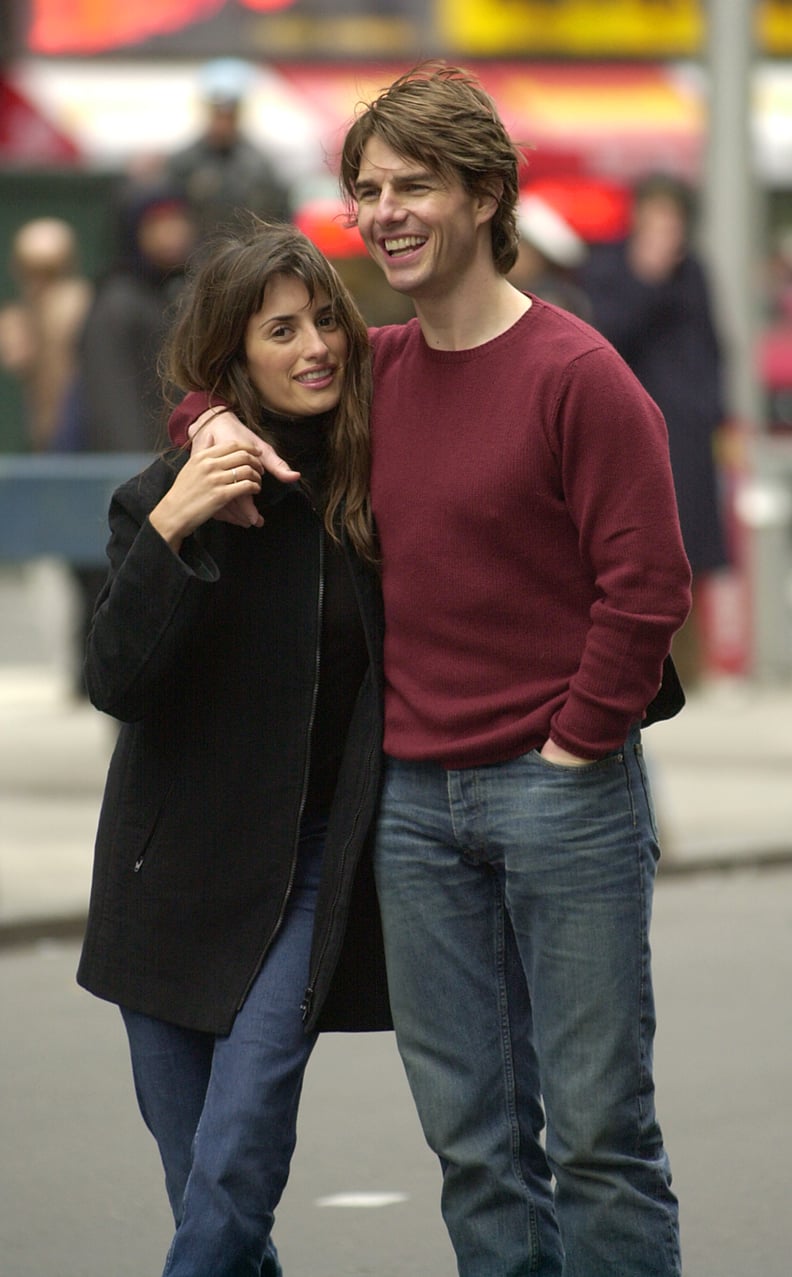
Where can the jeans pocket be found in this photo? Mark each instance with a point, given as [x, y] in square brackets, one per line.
[572, 769]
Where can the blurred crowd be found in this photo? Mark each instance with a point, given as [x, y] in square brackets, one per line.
[85, 350]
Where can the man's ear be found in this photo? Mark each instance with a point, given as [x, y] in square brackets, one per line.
[488, 201]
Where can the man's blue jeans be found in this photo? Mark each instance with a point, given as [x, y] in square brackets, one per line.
[223, 1110]
[516, 901]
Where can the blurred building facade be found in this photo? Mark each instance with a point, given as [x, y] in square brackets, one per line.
[599, 91]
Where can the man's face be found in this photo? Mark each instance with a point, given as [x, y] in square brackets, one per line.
[423, 230]
[661, 217]
[222, 128]
[166, 236]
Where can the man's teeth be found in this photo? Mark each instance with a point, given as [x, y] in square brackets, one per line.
[404, 244]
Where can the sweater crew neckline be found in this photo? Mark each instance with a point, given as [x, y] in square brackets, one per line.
[513, 333]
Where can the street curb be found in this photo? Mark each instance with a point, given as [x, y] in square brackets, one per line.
[19, 932]
[767, 858]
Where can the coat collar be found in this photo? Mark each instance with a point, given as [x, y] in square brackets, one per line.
[303, 443]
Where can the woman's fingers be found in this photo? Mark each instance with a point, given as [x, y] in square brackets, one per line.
[225, 429]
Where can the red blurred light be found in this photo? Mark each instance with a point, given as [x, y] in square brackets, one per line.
[597, 208]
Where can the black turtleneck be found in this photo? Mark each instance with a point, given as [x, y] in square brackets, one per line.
[302, 441]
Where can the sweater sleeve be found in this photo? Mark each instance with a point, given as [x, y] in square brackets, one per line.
[192, 405]
[613, 445]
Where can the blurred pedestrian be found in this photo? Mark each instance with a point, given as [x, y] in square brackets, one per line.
[231, 921]
[116, 401]
[120, 398]
[550, 255]
[39, 330]
[651, 299]
[222, 171]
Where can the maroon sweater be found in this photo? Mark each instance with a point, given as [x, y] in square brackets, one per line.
[533, 569]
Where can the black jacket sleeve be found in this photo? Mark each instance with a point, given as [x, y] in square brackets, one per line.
[150, 605]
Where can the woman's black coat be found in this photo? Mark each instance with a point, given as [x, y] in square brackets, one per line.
[210, 660]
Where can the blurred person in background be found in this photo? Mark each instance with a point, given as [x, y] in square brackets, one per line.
[222, 171]
[549, 257]
[115, 404]
[651, 299]
[118, 399]
[39, 330]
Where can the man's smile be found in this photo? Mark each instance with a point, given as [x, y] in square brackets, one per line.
[400, 245]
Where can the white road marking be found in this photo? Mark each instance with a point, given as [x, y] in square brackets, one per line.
[362, 1200]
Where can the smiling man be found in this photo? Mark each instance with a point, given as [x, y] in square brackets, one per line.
[533, 576]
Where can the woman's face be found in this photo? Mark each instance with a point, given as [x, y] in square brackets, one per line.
[295, 350]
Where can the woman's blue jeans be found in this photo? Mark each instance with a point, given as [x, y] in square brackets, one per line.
[223, 1110]
[516, 901]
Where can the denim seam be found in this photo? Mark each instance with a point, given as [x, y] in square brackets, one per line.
[672, 1247]
[645, 1077]
[644, 1072]
[633, 811]
[639, 757]
[509, 1074]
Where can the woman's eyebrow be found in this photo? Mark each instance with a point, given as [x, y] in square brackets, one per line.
[278, 319]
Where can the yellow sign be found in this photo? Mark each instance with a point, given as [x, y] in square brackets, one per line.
[596, 28]
[775, 27]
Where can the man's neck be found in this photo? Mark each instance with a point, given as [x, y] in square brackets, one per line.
[473, 313]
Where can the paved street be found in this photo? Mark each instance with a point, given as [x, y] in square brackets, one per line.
[80, 1188]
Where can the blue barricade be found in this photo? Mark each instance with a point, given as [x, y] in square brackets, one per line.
[56, 504]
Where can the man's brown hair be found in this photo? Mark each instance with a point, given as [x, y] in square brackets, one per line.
[441, 117]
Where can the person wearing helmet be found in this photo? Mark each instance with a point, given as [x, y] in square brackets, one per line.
[222, 171]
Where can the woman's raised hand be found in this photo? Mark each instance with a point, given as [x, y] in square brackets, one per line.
[214, 427]
[215, 476]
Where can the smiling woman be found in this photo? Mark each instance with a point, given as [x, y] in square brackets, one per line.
[233, 846]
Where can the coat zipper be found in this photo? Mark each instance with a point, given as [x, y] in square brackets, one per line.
[306, 1006]
[306, 775]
